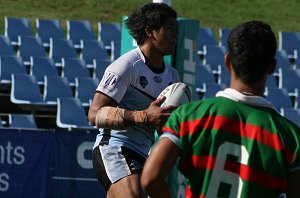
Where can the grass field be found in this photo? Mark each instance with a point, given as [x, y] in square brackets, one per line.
[281, 14]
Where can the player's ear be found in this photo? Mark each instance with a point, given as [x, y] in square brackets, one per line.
[227, 61]
[148, 31]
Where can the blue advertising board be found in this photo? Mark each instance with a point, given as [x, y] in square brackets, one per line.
[47, 164]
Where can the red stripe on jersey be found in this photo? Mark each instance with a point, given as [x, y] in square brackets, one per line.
[240, 128]
[169, 130]
[257, 177]
[245, 172]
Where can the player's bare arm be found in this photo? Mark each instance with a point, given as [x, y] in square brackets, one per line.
[157, 166]
[104, 113]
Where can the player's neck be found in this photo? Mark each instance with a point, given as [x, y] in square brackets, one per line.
[152, 57]
[257, 89]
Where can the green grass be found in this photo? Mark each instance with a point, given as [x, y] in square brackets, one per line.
[283, 15]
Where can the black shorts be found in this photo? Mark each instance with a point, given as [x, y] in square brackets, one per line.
[109, 164]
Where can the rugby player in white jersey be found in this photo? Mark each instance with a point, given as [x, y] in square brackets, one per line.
[124, 107]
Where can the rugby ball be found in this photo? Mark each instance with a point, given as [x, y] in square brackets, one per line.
[176, 94]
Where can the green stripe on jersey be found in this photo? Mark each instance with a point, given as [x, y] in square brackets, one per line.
[217, 128]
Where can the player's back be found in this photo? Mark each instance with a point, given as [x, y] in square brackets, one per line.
[236, 149]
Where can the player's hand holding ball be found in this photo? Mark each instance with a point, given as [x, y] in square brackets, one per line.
[170, 98]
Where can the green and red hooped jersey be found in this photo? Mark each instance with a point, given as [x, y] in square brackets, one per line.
[233, 149]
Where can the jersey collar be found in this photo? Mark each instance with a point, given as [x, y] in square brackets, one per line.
[248, 99]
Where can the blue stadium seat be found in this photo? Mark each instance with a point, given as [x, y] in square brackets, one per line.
[42, 66]
[214, 56]
[15, 27]
[85, 89]
[6, 48]
[49, 28]
[115, 50]
[210, 89]
[204, 75]
[223, 35]
[279, 97]
[282, 60]
[93, 49]
[109, 32]
[71, 114]
[289, 41]
[10, 65]
[292, 114]
[30, 46]
[289, 79]
[56, 87]
[26, 121]
[100, 66]
[25, 90]
[72, 68]
[61, 48]
[205, 37]
[78, 30]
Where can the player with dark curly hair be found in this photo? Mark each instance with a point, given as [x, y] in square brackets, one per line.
[124, 106]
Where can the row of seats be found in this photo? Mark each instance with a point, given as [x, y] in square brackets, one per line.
[77, 30]
[213, 55]
[92, 53]
[281, 88]
[26, 91]
[288, 54]
[70, 115]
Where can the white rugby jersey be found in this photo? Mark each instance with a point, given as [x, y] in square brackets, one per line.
[131, 83]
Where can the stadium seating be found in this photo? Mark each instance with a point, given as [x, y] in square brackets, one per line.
[78, 30]
[72, 68]
[49, 28]
[42, 66]
[109, 32]
[100, 66]
[64, 66]
[223, 35]
[214, 56]
[204, 75]
[278, 97]
[210, 89]
[26, 121]
[71, 115]
[292, 114]
[15, 27]
[61, 48]
[205, 37]
[56, 87]
[6, 49]
[289, 41]
[289, 79]
[10, 65]
[25, 90]
[30, 46]
[282, 60]
[115, 50]
[93, 49]
[85, 89]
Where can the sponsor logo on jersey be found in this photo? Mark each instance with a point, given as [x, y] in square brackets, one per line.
[143, 81]
[110, 80]
[157, 79]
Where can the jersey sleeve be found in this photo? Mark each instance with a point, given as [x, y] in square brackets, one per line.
[116, 80]
[171, 128]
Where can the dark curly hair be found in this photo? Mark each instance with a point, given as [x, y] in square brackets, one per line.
[152, 15]
[252, 47]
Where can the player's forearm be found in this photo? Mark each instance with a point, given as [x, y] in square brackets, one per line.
[117, 118]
